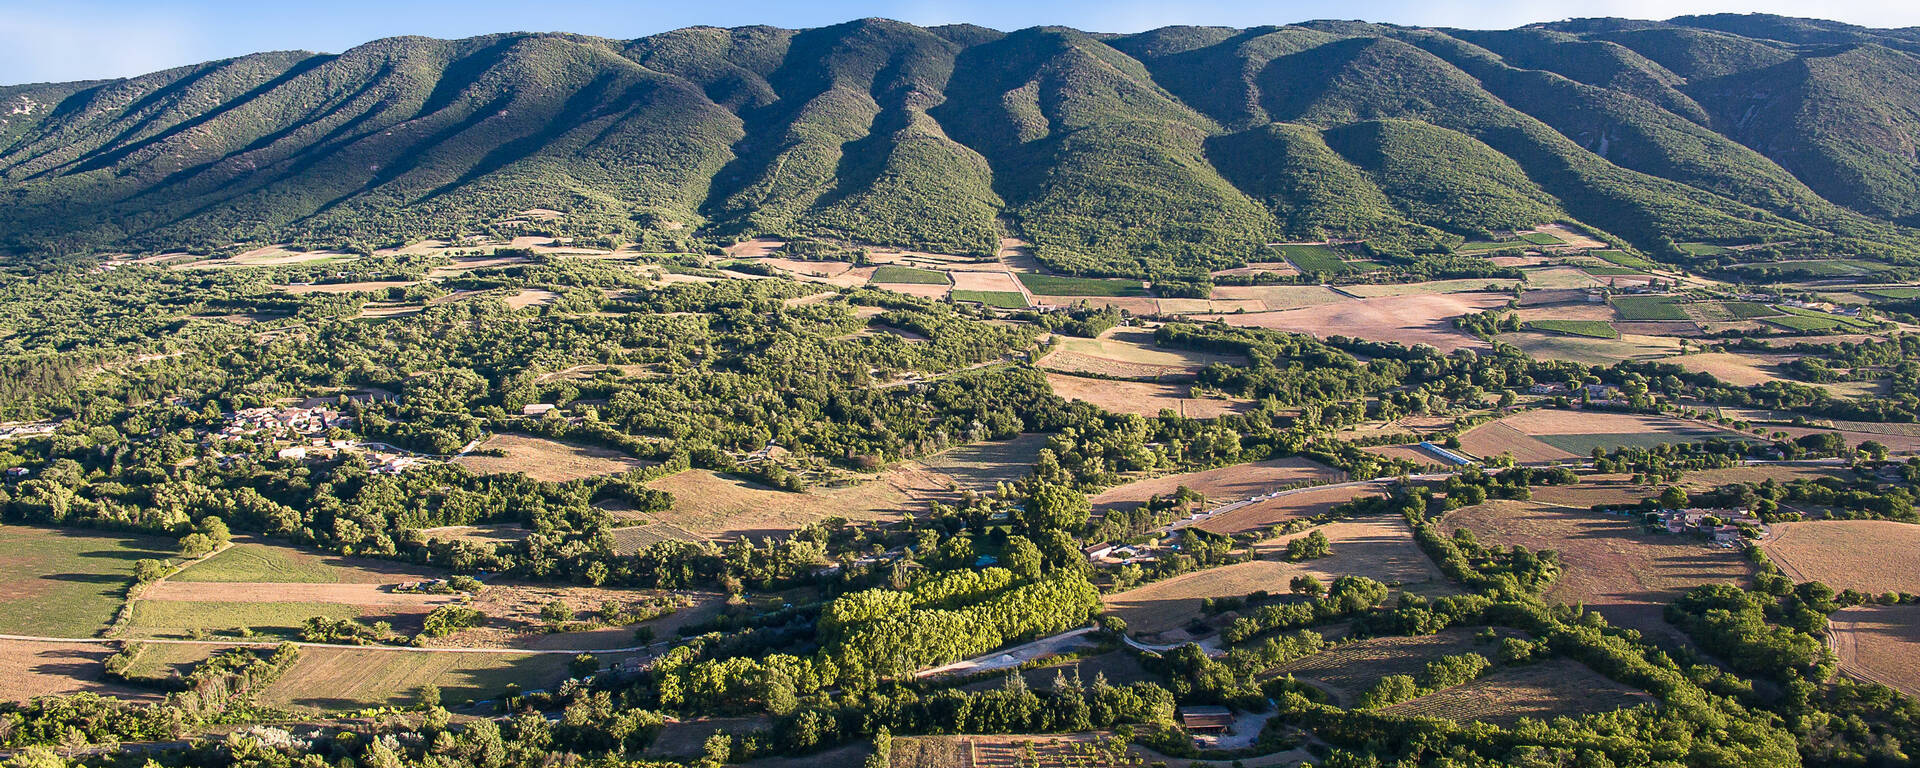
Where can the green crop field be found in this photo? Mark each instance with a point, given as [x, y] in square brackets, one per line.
[274, 621]
[1810, 320]
[1064, 285]
[1611, 271]
[1746, 310]
[1623, 259]
[909, 275]
[1815, 267]
[1542, 238]
[1649, 308]
[64, 583]
[1323, 259]
[250, 562]
[1001, 299]
[1703, 249]
[1484, 246]
[1896, 292]
[1595, 329]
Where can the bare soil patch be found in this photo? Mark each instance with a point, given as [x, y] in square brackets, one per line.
[1872, 556]
[1495, 438]
[973, 280]
[550, 460]
[1279, 297]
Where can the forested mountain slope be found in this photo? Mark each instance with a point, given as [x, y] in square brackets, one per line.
[1157, 154]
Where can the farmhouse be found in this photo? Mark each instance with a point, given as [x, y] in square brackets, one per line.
[1098, 551]
[536, 409]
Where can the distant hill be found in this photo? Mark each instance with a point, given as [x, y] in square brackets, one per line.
[1155, 154]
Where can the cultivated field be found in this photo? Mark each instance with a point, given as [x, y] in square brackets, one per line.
[1880, 643]
[550, 460]
[1409, 320]
[1743, 369]
[343, 678]
[1143, 397]
[1872, 556]
[67, 583]
[264, 619]
[724, 507]
[1292, 506]
[1349, 669]
[1128, 352]
[1608, 564]
[1279, 297]
[1219, 486]
[56, 669]
[1592, 351]
[1542, 691]
[1545, 434]
[981, 466]
[1436, 286]
[1379, 547]
[252, 561]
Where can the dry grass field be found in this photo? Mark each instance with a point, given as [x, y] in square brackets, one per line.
[66, 583]
[1437, 286]
[1205, 306]
[251, 561]
[345, 678]
[1880, 643]
[365, 595]
[33, 669]
[1145, 398]
[1872, 556]
[981, 466]
[1560, 278]
[1494, 438]
[1128, 352]
[638, 537]
[1742, 369]
[1542, 691]
[1292, 506]
[549, 460]
[531, 297]
[1381, 549]
[1608, 564]
[724, 508]
[1279, 297]
[1138, 305]
[274, 256]
[1415, 319]
[1220, 485]
[1581, 349]
[1349, 669]
[302, 289]
[979, 280]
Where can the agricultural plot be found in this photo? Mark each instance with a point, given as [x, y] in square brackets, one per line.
[256, 562]
[549, 460]
[1559, 278]
[1142, 397]
[1476, 247]
[58, 669]
[1494, 439]
[1279, 297]
[1817, 268]
[1894, 292]
[1649, 308]
[1294, 505]
[1129, 353]
[1703, 249]
[344, 678]
[1349, 669]
[1203, 306]
[1542, 691]
[1324, 259]
[893, 274]
[1409, 320]
[1593, 329]
[274, 256]
[1880, 643]
[1610, 271]
[639, 537]
[181, 620]
[1541, 238]
[531, 297]
[1579, 432]
[1742, 369]
[1872, 556]
[1488, 284]
[1607, 563]
[65, 583]
[981, 466]
[722, 507]
[1839, 320]
[1000, 299]
[1622, 258]
[1065, 285]
[1220, 485]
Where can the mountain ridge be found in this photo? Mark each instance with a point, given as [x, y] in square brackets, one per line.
[1158, 154]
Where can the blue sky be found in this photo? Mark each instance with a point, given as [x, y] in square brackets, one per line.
[81, 39]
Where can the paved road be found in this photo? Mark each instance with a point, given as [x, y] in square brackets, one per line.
[1011, 657]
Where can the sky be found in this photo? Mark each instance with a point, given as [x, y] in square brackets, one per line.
[87, 39]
